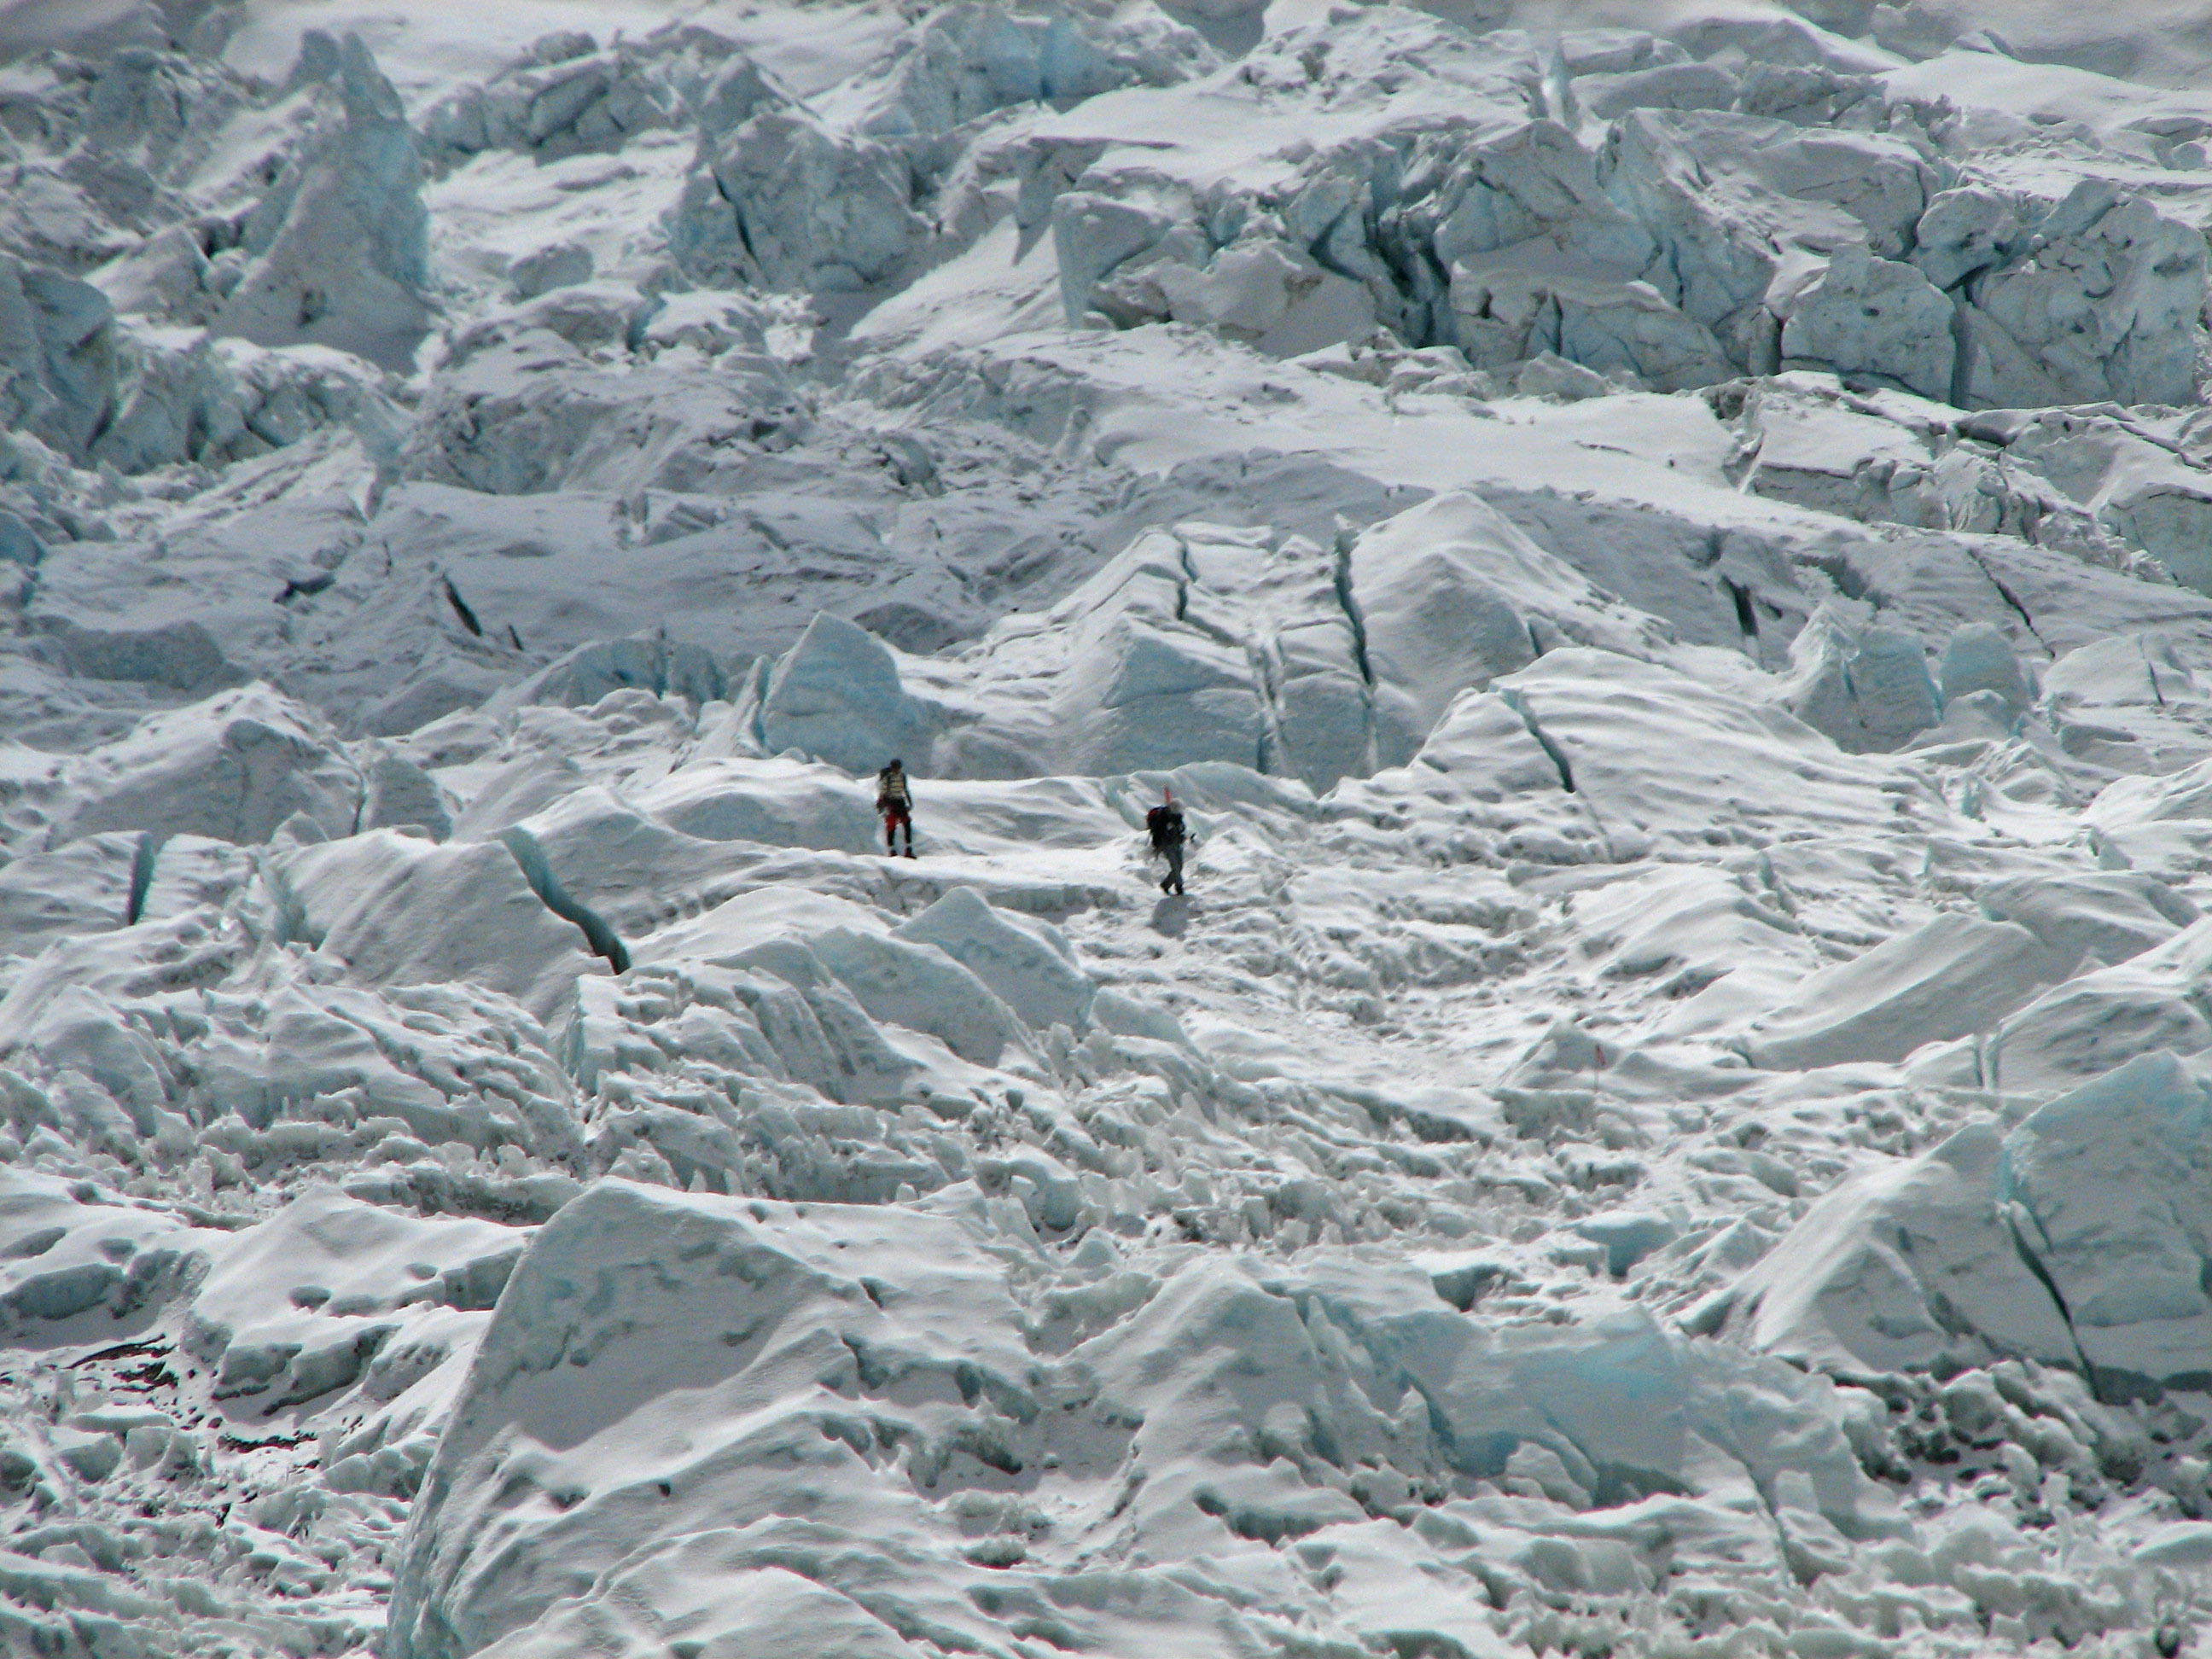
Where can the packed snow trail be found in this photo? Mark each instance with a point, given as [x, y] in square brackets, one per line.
[1659, 550]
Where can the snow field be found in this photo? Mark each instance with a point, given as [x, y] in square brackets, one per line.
[1661, 549]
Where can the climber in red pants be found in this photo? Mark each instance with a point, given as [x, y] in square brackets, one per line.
[895, 800]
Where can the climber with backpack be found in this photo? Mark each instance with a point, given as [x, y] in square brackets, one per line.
[1165, 823]
[895, 800]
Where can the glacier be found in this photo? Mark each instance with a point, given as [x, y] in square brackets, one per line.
[1662, 547]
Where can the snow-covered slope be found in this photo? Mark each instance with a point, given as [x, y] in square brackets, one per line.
[1665, 547]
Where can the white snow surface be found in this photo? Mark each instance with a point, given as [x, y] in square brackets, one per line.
[1662, 547]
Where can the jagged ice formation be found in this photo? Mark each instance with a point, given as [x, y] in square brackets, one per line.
[1662, 545]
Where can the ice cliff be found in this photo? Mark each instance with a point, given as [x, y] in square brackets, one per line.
[1663, 549]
